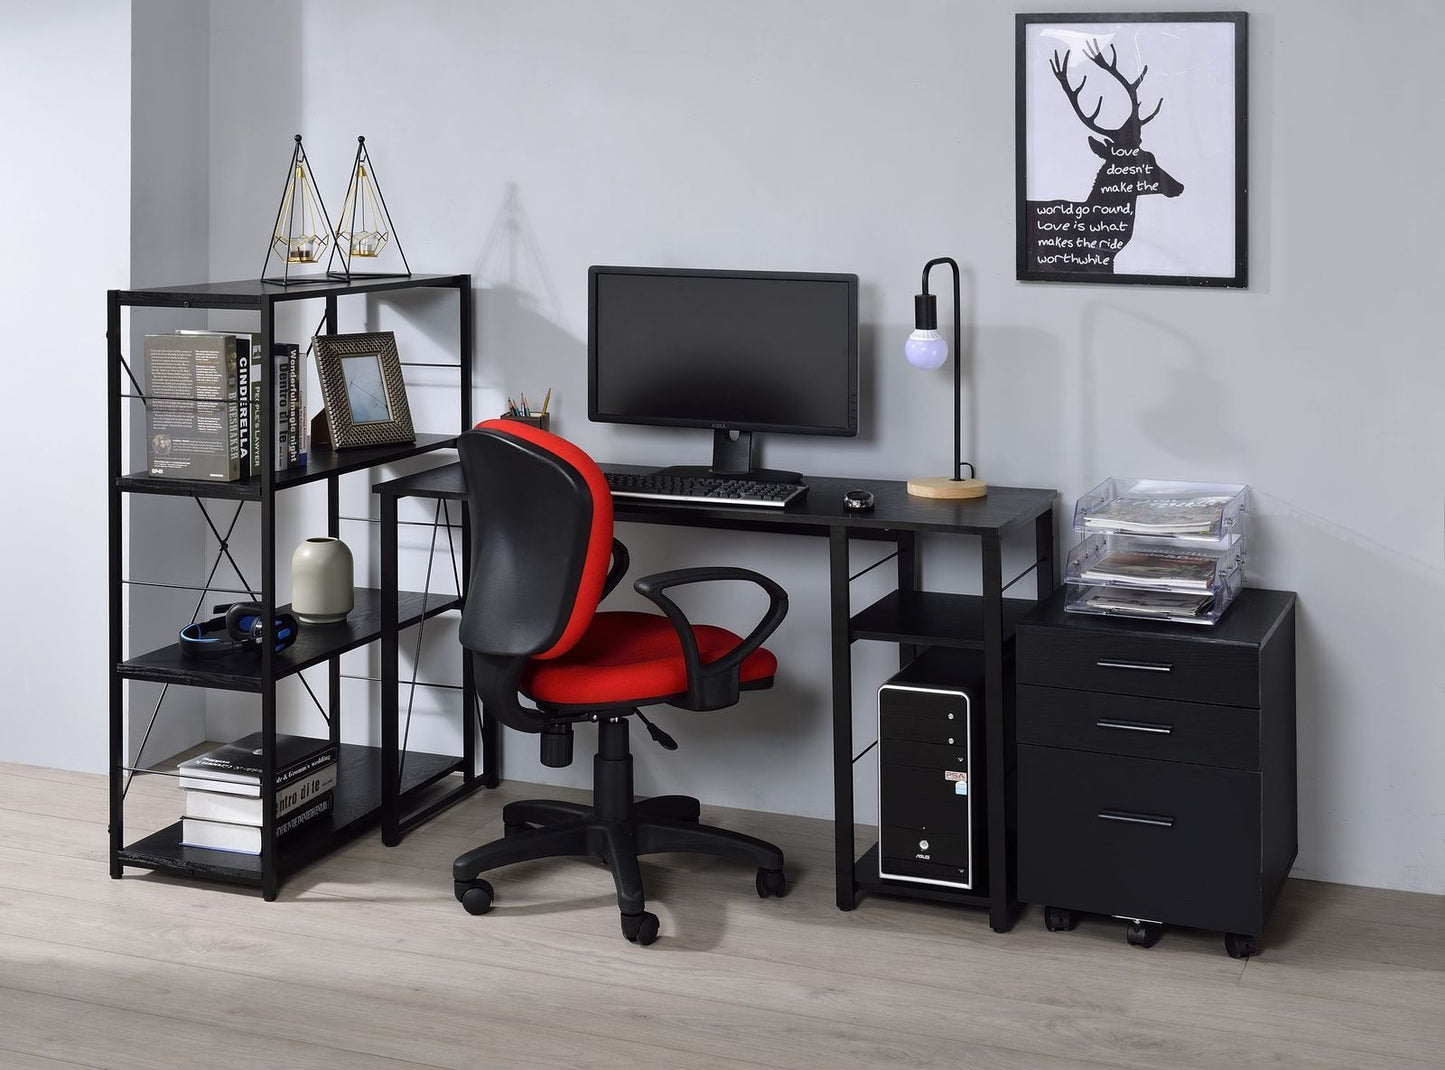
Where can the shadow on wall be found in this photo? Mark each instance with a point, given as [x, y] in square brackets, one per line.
[1156, 373]
[524, 342]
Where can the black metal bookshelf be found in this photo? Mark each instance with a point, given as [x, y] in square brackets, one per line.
[358, 792]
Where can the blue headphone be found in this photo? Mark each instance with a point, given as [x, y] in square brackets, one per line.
[241, 629]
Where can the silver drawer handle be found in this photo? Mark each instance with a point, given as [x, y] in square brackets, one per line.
[1136, 666]
[1137, 726]
[1137, 819]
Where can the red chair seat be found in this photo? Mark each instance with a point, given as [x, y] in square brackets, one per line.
[628, 659]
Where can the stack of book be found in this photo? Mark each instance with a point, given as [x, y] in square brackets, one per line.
[1158, 549]
[203, 418]
[223, 791]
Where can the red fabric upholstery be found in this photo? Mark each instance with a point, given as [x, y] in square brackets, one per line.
[629, 659]
[599, 540]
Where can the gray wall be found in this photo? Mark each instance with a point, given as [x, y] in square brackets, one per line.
[65, 189]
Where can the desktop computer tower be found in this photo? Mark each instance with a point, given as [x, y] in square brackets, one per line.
[931, 794]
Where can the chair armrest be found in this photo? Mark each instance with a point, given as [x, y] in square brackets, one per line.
[713, 685]
[620, 560]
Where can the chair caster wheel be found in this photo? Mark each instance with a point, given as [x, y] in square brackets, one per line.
[1239, 946]
[772, 882]
[1143, 933]
[475, 896]
[1059, 920]
[640, 928]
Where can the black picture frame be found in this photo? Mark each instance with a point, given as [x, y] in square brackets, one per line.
[1060, 239]
[365, 402]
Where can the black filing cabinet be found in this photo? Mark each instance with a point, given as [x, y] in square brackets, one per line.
[1156, 767]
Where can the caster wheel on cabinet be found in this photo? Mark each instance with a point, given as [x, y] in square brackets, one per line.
[1059, 920]
[640, 928]
[771, 882]
[1239, 946]
[1143, 933]
[475, 896]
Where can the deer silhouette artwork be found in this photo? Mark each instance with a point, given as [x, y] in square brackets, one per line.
[1086, 236]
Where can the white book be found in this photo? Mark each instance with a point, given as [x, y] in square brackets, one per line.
[222, 805]
[246, 839]
[220, 836]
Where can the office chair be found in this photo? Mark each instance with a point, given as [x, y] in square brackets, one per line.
[541, 518]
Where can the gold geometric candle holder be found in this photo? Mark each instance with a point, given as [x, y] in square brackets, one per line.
[302, 233]
[364, 228]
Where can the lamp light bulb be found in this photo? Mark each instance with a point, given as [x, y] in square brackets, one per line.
[926, 349]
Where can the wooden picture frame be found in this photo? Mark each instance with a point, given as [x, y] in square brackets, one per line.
[1081, 97]
[363, 390]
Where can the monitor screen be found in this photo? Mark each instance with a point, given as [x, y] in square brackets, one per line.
[751, 351]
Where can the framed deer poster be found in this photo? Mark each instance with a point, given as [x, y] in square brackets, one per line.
[1131, 148]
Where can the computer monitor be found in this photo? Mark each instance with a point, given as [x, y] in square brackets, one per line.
[734, 351]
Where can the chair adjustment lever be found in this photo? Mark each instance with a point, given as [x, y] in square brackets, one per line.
[663, 740]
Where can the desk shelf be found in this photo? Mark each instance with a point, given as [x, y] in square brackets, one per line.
[315, 644]
[358, 809]
[928, 618]
[320, 464]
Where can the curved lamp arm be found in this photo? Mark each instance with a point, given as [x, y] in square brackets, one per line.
[925, 320]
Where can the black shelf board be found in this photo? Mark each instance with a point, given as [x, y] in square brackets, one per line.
[929, 618]
[320, 463]
[315, 644]
[251, 293]
[866, 878]
[358, 808]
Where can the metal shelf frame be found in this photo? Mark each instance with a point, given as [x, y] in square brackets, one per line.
[366, 802]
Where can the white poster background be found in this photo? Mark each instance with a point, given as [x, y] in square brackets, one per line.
[1191, 66]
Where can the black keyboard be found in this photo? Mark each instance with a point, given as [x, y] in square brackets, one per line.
[712, 491]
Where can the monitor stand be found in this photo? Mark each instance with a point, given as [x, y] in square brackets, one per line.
[732, 458]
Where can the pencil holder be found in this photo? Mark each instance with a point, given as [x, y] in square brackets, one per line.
[535, 419]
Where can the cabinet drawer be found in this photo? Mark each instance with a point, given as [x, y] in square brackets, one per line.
[1189, 668]
[1139, 727]
[1140, 838]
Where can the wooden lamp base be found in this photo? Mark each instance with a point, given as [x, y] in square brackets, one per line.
[943, 487]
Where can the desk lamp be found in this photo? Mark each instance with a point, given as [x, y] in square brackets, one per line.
[926, 349]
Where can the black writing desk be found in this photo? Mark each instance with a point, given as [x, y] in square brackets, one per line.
[910, 617]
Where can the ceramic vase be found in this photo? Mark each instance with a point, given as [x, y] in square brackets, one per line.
[322, 590]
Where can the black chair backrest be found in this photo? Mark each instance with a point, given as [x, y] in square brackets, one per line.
[532, 588]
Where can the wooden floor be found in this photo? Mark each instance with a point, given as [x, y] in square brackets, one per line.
[366, 962]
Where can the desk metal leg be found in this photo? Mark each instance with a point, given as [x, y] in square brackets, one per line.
[1048, 580]
[469, 691]
[491, 735]
[910, 580]
[333, 669]
[1000, 906]
[842, 718]
[390, 677]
